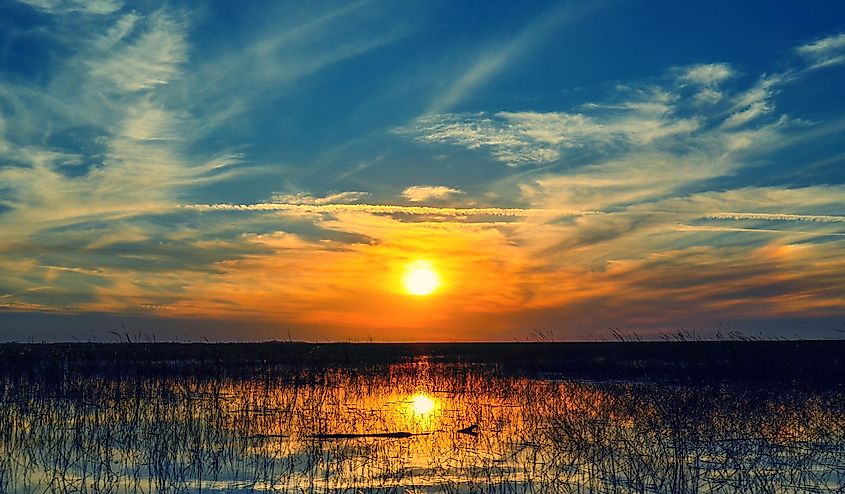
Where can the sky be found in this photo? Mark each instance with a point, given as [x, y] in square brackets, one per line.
[238, 171]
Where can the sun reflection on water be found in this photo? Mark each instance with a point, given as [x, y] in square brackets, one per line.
[419, 427]
[422, 404]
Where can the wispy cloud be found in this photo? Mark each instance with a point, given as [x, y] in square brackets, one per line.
[513, 138]
[101, 207]
[711, 228]
[231, 85]
[707, 74]
[754, 102]
[707, 78]
[824, 52]
[526, 137]
[113, 157]
[646, 158]
[127, 202]
[820, 218]
[308, 199]
[85, 6]
[644, 119]
[140, 60]
[495, 59]
[420, 193]
[385, 209]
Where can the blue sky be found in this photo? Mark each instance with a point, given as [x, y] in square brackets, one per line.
[238, 171]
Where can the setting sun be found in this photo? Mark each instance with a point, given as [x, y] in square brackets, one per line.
[420, 278]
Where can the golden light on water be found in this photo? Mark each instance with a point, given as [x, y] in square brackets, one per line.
[420, 278]
[422, 404]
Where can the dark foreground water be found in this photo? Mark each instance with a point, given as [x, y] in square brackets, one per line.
[412, 427]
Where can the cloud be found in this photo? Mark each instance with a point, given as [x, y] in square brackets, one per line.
[645, 160]
[101, 7]
[707, 78]
[111, 161]
[232, 85]
[642, 212]
[643, 118]
[385, 209]
[816, 218]
[755, 102]
[597, 269]
[150, 58]
[495, 59]
[95, 190]
[811, 201]
[708, 228]
[419, 193]
[305, 198]
[825, 51]
[707, 74]
[527, 137]
[634, 119]
[474, 131]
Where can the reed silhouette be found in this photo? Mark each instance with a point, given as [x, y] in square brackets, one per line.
[143, 417]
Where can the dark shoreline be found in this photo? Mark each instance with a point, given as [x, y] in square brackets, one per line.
[820, 362]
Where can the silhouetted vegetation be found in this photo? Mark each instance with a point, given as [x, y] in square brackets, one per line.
[820, 361]
[295, 417]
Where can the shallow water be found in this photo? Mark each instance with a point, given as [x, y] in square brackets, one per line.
[327, 431]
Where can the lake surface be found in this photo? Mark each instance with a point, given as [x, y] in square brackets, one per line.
[412, 427]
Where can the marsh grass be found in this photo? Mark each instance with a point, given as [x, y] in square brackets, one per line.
[192, 426]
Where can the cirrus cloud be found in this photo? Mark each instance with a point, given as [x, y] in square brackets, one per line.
[823, 52]
[420, 193]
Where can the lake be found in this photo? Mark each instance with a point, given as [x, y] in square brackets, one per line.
[415, 425]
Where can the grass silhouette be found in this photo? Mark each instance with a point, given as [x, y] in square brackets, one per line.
[295, 417]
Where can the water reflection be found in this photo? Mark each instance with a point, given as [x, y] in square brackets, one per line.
[416, 427]
[421, 405]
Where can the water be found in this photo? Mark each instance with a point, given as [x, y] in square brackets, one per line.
[283, 430]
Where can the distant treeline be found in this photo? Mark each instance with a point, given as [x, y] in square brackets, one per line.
[812, 362]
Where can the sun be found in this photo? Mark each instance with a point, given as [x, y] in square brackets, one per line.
[420, 278]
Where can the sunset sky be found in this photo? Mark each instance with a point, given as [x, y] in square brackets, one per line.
[266, 170]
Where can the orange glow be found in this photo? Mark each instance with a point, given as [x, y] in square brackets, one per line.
[420, 278]
[422, 404]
